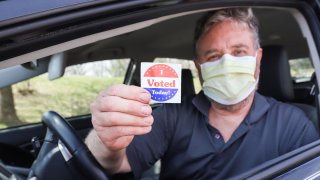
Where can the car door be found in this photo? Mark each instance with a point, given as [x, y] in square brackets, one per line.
[28, 90]
[29, 42]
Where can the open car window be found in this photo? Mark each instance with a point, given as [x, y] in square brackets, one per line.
[71, 94]
[301, 69]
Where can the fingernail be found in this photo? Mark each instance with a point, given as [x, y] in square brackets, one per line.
[145, 96]
[148, 120]
[145, 110]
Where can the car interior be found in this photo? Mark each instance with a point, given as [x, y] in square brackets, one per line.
[170, 37]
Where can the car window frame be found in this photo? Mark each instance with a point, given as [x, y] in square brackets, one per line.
[282, 164]
[305, 9]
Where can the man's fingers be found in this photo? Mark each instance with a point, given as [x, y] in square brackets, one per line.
[119, 143]
[108, 119]
[121, 112]
[118, 104]
[128, 92]
[116, 132]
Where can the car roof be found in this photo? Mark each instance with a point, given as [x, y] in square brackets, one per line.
[173, 38]
[16, 8]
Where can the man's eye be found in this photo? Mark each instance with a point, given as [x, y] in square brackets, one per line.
[213, 58]
[239, 53]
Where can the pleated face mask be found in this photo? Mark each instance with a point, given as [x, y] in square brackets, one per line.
[230, 79]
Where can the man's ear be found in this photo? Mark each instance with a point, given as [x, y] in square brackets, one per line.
[258, 63]
[196, 63]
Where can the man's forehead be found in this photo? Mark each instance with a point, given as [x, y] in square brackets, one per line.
[226, 28]
[232, 33]
[226, 35]
[228, 23]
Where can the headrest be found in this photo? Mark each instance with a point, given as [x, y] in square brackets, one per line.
[187, 86]
[275, 79]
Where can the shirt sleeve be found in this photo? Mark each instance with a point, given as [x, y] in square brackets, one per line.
[299, 132]
[146, 149]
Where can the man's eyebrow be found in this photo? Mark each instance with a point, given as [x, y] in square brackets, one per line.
[240, 46]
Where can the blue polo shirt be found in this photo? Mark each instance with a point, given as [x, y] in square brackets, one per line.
[190, 148]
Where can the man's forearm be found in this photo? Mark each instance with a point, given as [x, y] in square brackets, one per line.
[112, 161]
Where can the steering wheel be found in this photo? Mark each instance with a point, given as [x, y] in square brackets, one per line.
[61, 137]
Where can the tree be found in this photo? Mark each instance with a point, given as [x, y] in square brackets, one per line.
[8, 113]
[117, 68]
[79, 69]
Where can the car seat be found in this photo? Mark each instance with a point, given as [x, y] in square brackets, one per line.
[187, 85]
[275, 79]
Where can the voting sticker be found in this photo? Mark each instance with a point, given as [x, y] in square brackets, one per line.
[163, 81]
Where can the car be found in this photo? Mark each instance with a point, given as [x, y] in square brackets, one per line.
[56, 56]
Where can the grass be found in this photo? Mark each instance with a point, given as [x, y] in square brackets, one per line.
[70, 96]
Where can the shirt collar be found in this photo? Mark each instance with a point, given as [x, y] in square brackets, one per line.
[259, 107]
[201, 102]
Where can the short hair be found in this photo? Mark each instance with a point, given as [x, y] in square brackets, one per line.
[243, 15]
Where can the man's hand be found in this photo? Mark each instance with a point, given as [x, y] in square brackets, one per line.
[119, 113]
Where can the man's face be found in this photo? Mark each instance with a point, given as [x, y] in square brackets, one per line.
[227, 37]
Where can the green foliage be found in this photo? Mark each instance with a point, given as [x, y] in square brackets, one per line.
[301, 69]
[117, 68]
[70, 96]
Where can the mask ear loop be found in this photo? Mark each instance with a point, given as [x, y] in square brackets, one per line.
[197, 62]
[257, 80]
[256, 55]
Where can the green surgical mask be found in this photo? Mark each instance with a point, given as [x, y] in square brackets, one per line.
[230, 79]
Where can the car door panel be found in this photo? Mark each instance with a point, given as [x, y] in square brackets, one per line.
[16, 148]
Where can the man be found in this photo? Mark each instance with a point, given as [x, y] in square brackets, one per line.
[225, 130]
